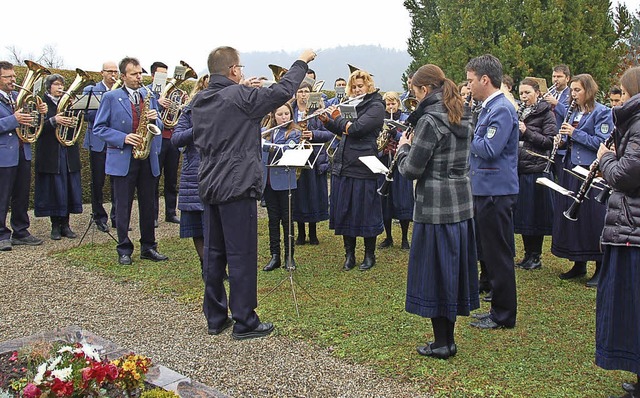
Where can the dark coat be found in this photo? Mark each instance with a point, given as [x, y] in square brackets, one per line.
[360, 139]
[188, 198]
[226, 129]
[538, 138]
[48, 148]
[622, 172]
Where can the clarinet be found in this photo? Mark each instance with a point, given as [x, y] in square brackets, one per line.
[572, 212]
[554, 150]
[388, 178]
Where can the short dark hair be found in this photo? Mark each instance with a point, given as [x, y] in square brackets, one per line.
[508, 81]
[49, 80]
[6, 65]
[311, 71]
[615, 90]
[489, 65]
[221, 59]
[562, 68]
[340, 79]
[122, 66]
[156, 65]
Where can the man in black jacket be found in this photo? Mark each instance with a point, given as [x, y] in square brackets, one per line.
[226, 130]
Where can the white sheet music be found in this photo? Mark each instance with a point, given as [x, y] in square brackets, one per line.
[558, 188]
[374, 164]
[295, 157]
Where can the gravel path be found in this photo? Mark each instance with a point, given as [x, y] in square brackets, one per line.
[39, 294]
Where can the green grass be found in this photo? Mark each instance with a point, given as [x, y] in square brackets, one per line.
[359, 316]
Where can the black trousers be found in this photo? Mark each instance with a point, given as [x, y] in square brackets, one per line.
[169, 159]
[98, 176]
[231, 239]
[494, 219]
[14, 191]
[138, 179]
[278, 212]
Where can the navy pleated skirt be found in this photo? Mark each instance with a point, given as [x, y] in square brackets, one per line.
[534, 211]
[355, 208]
[618, 310]
[312, 197]
[191, 224]
[442, 279]
[577, 240]
[399, 203]
[58, 195]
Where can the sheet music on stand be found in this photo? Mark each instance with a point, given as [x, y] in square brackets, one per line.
[374, 164]
[87, 102]
[348, 111]
[159, 82]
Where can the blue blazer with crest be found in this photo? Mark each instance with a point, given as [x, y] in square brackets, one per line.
[9, 141]
[113, 122]
[593, 129]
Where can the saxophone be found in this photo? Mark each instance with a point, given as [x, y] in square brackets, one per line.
[145, 130]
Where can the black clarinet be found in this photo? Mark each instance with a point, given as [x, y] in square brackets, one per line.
[388, 178]
[572, 212]
[554, 150]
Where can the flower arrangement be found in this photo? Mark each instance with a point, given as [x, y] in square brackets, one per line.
[78, 370]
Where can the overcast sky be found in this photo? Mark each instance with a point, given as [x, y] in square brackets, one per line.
[188, 30]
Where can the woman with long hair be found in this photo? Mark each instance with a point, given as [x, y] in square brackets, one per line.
[442, 278]
[588, 127]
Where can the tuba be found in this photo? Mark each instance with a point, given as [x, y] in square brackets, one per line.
[64, 107]
[176, 96]
[145, 130]
[28, 102]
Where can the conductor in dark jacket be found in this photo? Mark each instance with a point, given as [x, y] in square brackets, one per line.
[226, 129]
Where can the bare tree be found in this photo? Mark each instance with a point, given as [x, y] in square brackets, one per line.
[15, 55]
[50, 57]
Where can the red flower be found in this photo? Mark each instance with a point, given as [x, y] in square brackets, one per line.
[61, 388]
[31, 391]
[14, 356]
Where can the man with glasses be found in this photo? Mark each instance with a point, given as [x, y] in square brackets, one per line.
[98, 151]
[226, 130]
[15, 165]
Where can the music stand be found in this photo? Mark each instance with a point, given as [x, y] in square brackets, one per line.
[89, 101]
[294, 158]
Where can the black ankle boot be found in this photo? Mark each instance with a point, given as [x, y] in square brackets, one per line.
[273, 263]
[388, 242]
[369, 254]
[579, 269]
[290, 264]
[534, 262]
[66, 231]
[349, 252]
[55, 230]
[593, 282]
[525, 261]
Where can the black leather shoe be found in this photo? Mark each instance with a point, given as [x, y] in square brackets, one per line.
[5, 245]
[66, 231]
[102, 226]
[631, 388]
[488, 297]
[172, 219]
[226, 325]
[263, 329]
[533, 263]
[124, 259]
[55, 233]
[368, 262]
[593, 282]
[627, 395]
[405, 245]
[291, 265]
[27, 240]
[385, 243]
[440, 352]
[453, 349]
[273, 263]
[575, 272]
[153, 255]
[525, 261]
[486, 323]
[349, 262]
[481, 315]
[314, 241]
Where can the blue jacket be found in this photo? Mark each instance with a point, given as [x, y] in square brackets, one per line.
[113, 122]
[279, 178]
[226, 130]
[92, 141]
[494, 150]
[9, 141]
[593, 129]
[188, 198]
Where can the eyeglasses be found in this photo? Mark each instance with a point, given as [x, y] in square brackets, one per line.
[236, 66]
[110, 71]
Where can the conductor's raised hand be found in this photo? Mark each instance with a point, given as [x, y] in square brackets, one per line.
[307, 55]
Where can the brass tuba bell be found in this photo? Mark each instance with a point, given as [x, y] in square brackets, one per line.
[28, 102]
[64, 106]
[410, 103]
[278, 72]
[176, 96]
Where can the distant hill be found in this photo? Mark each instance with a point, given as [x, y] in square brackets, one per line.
[387, 65]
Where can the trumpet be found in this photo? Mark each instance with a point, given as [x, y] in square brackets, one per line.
[29, 102]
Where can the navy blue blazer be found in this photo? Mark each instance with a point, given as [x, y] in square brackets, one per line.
[9, 141]
[494, 150]
[113, 122]
[279, 178]
[92, 141]
[593, 129]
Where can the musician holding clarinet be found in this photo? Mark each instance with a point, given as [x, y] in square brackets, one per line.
[586, 129]
[618, 299]
[442, 279]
